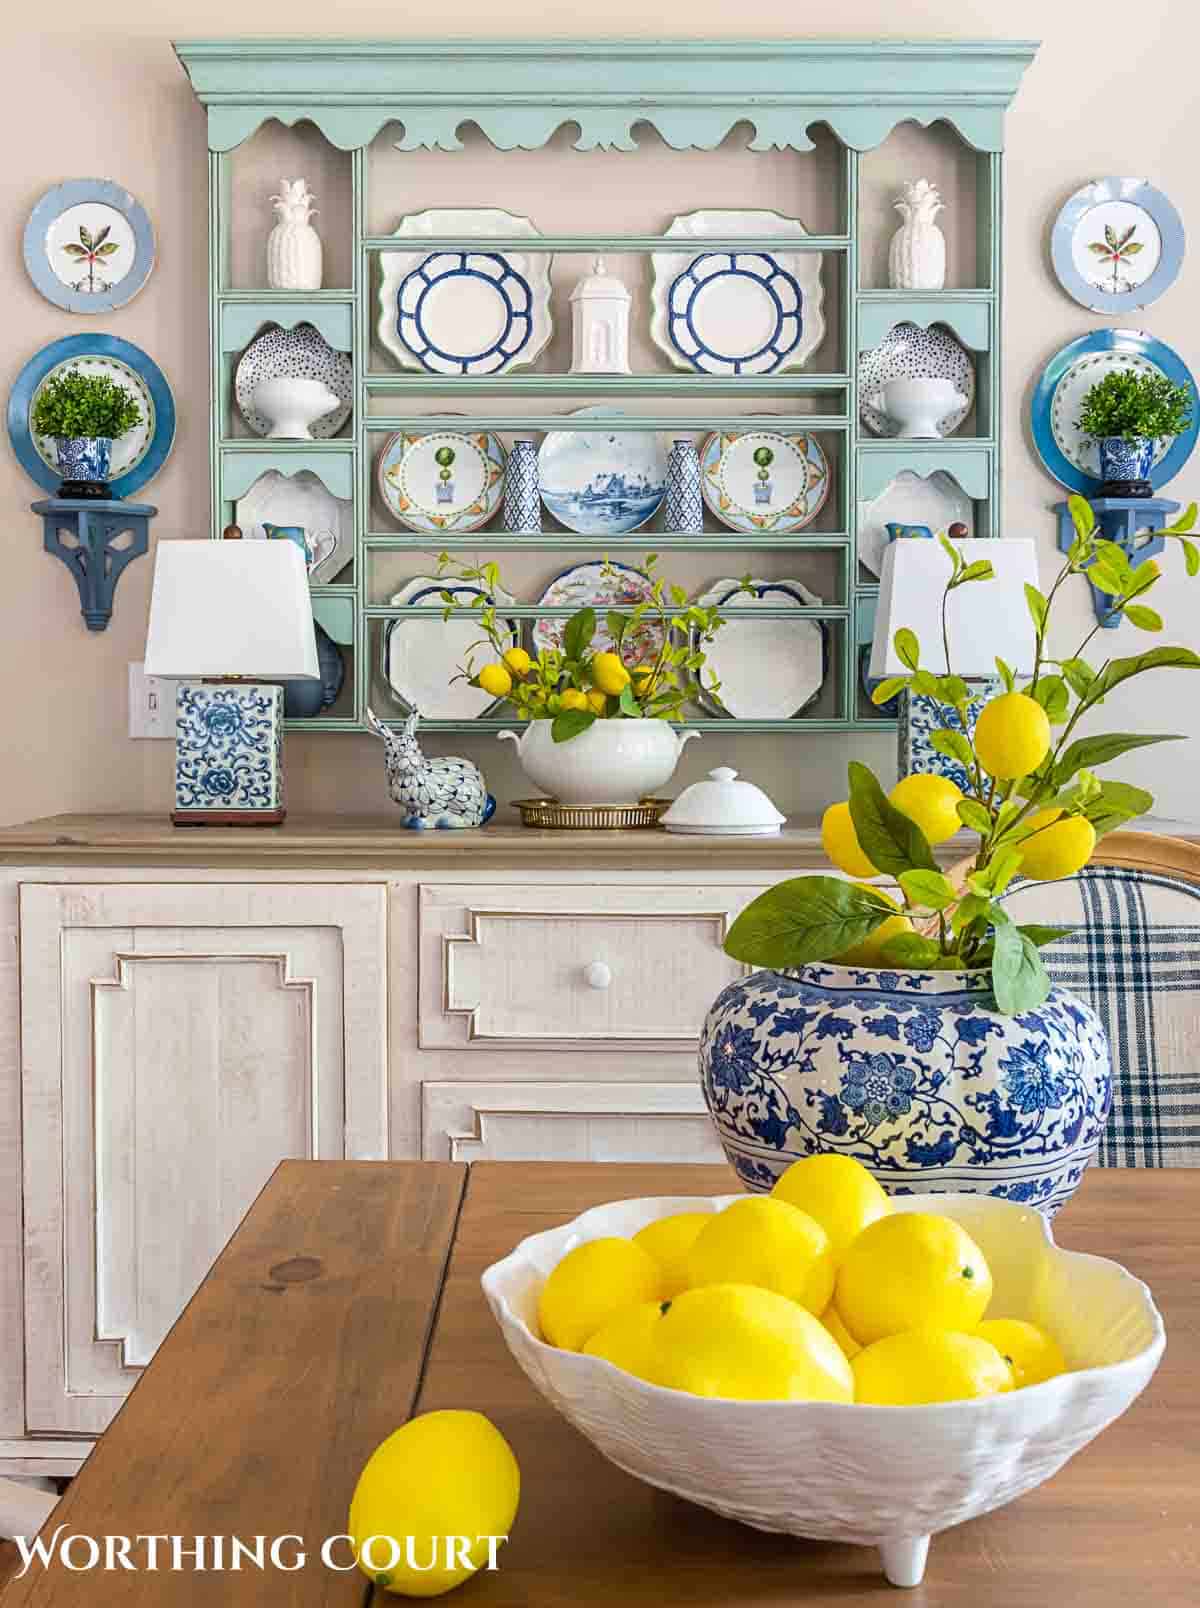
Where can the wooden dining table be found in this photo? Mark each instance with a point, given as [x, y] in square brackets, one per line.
[349, 1299]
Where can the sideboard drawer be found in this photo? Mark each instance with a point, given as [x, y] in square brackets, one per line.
[573, 967]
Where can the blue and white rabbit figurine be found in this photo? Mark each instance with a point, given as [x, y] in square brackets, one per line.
[431, 792]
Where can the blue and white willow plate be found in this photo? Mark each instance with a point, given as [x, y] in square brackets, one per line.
[1117, 245]
[602, 482]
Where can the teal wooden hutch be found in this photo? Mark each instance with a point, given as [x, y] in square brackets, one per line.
[392, 124]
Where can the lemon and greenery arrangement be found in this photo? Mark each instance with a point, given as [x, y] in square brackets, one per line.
[653, 668]
[1034, 800]
[73, 405]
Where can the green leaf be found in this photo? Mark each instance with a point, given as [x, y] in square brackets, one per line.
[1006, 674]
[953, 744]
[908, 649]
[1185, 522]
[981, 570]
[1053, 695]
[1116, 803]
[617, 624]
[1082, 515]
[998, 873]
[888, 689]
[889, 839]
[912, 951]
[628, 704]
[1038, 607]
[569, 723]
[973, 814]
[1191, 556]
[970, 907]
[952, 553]
[1078, 674]
[1092, 751]
[1039, 935]
[953, 690]
[804, 919]
[924, 683]
[930, 889]
[1146, 619]
[1118, 670]
[581, 628]
[1106, 579]
[1019, 979]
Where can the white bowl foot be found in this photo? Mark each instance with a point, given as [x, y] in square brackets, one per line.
[904, 1560]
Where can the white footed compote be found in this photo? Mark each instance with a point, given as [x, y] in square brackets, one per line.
[918, 406]
[291, 405]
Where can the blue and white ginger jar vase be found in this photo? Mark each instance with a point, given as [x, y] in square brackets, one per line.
[915, 1074]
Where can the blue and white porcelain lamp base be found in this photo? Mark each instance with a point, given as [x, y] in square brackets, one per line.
[921, 716]
[228, 754]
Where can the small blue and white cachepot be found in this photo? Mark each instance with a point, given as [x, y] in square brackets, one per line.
[1126, 461]
[915, 1074]
[84, 457]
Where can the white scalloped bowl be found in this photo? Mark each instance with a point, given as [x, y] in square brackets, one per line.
[888, 1477]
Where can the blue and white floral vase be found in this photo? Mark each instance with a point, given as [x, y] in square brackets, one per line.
[915, 1074]
[1125, 465]
[85, 464]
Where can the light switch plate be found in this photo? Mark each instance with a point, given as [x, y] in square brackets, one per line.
[151, 704]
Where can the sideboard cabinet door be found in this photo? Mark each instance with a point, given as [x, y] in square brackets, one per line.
[179, 1040]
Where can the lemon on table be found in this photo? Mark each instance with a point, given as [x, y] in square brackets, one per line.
[495, 678]
[909, 1270]
[668, 1241]
[1031, 1353]
[1059, 848]
[927, 1365]
[765, 1242]
[444, 1475]
[629, 1340]
[572, 698]
[1012, 735]
[609, 674]
[590, 1285]
[850, 1346]
[931, 801]
[750, 1344]
[840, 842]
[838, 1191]
[517, 660]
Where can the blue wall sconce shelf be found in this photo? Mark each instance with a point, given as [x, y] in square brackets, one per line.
[86, 534]
[1123, 520]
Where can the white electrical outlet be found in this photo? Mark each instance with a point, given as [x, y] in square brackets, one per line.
[151, 704]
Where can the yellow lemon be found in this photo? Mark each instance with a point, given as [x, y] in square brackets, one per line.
[517, 660]
[1012, 735]
[440, 1479]
[1030, 1352]
[909, 1269]
[926, 1365]
[644, 680]
[590, 1285]
[1059, 848]
[850, 1346]
[668, 1241]
[494, 678]
[840, 842]
[750, 1344]
[768, 1243]
[609, 674]
[597, 700]
[630, 1339]
[930, 801]
[572, 698]
[870, 951]
[838, 1191]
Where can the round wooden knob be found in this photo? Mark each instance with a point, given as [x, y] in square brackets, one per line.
[597, 975]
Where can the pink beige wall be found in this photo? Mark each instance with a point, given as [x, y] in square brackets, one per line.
[1112, 91]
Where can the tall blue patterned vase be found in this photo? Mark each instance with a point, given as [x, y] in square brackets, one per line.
[228, 754]
[685, 505]
[915, 1074]
[522, 493]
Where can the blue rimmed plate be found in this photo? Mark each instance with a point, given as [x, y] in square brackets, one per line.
[1072, 458]
[89, 246]
[1117, 245]
[442, 480]
[756, 480]
[422, 655]
[137, 456]
[769, 668]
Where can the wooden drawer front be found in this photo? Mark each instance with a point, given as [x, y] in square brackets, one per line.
[575, 967]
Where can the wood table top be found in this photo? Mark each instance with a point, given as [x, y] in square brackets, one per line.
[328, 1319]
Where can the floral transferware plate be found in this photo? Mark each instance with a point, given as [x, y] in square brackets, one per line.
[768, 668]
[936, 501]
[1117, 245]
[908, 352]
[601, 585]
[1073, 458]
[736, 312]
[602, 482]
[136, 456]
[89, 246]
[305, 501]
[301, 353]
[465, 312]
[424, 653]
[442, 481]
[758, 480]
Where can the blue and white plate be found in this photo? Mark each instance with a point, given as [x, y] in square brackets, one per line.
[1072, 458]
[89, 246]
[602, 482]
[1117, 245]
[737, 312]
[468, 311]
[138, 455]
[424, 654]
[768, 668]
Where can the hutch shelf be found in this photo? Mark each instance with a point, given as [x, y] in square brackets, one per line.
[602, 143]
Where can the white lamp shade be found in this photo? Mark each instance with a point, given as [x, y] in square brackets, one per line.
[231, 608]
[985, 619]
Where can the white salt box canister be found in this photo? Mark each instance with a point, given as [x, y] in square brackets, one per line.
[600, 306]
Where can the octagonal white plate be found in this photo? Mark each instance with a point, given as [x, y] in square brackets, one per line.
[423, 654]
[769, 669]
[301, 499]
[936, 500]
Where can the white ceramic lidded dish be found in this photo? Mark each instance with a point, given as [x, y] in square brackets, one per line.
[721, 806]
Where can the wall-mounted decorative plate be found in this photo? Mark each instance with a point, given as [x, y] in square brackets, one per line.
[1117, 245]
[602, 482]
[470, 311]
[908, 352]
[442, 481]
[301, 499]
[1072, 458]
[936, 500]
[768, 668]
[89, 246]
[760, 480]
[137, 456]
[741, 312]
[602, 586]
[299, 353]
[422, 654]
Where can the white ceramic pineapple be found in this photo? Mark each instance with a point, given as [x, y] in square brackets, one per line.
[294, 246]
[917, 259]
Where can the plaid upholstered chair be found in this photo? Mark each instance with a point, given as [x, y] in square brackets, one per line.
[1135, 958]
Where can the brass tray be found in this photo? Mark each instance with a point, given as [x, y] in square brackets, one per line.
[548, 812]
